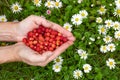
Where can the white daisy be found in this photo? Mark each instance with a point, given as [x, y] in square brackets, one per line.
[16, 7]
[116, 25]
[117, 35]
[83, 13]
[111, 47]
[49, 4]
[92, 5]
[111, 63]
[102, 10]
[87, 68]
[117, 2]
[110, 4]
[77, 74]
[37, 2]
[92, 39]
[98, 37]
[58, 60]
[82, 54]
[89, 43]
[76, 19]
[107, 39]
[117, 12]
[102, 29]
[68, 26]
[108, 23]
[99, 20]
[57, 4]
[80, 51]
[3, 18]
[103, 49]
[79, 1]
[57, 67]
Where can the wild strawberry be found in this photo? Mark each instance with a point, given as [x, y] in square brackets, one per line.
[53, 46]
[59, 34]
[43, 39]
[30, 38]
[65, 39]
[24, 40]
[40, 38]
[58, 38]
[47, 38]
[35, 42]
[30, 34]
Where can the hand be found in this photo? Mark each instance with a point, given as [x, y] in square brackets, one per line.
[33, 22]
[27, 55]
[29, 24]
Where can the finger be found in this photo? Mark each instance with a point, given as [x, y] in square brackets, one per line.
[58, 51]
[71, 38]
[41, 21]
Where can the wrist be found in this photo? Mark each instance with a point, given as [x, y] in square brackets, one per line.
[8, 31]
[8, 54]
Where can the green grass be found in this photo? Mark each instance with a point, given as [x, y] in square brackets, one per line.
[72, 61]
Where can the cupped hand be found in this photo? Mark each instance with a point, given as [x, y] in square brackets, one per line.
[28, 24]
[32, 22]
[29, 56]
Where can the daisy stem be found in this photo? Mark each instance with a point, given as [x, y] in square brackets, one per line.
[7, 3]
[92, 54]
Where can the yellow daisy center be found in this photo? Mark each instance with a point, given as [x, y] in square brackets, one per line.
[104, 48]
[108, 23]
[57, 67]
[111, 47]
[57, 60]
[111, 63]
[102, 9]
[116, 26]
[78, 74]
[15, 7]
[86, 68]
[107, 38]
[83, 14]
[99, 20]
[118, 34]
[57, 3]
[77, 19]
[102, 29]
[118, 11]
[49, 3]
[67, 27]
[83, 54]
[36, 1]
[3, 19]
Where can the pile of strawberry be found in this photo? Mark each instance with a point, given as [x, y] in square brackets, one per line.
[44, 39]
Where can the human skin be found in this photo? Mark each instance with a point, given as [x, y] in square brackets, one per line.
[16, 31]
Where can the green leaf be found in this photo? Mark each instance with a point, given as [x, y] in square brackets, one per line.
[65, 1]
[68, 8]
[66, 77]
[98, 76]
